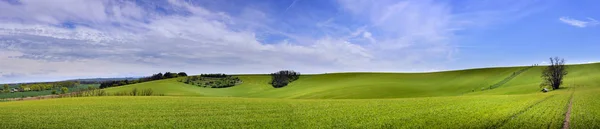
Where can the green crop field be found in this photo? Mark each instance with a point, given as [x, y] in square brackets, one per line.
[452, 99]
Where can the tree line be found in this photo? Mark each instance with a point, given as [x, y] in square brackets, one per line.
[24, 87]
[157, 76]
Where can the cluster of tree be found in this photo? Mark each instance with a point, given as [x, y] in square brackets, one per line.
[553, 74]
[212, 80]
[42, 86]
[283, 78]
[158, 76]
[215, 75]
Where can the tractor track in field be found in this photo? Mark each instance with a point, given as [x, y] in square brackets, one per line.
[568, 113]
[519, 113]
[509, 78]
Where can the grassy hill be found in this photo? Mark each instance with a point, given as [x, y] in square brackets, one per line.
[451, 99]
[376, 85]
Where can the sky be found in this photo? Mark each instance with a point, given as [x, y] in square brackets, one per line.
[49, 40]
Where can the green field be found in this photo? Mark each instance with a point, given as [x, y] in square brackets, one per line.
[452, 99]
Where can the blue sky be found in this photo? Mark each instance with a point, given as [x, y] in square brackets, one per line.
[43, 40]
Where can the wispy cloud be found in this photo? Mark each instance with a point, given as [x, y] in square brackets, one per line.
[579, 23]
[291, 5]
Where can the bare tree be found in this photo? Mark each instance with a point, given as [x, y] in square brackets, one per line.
[554, 73]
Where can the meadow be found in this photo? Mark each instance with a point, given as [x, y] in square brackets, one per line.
[451, 99]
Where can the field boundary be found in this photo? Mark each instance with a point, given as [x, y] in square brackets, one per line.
[519, 113]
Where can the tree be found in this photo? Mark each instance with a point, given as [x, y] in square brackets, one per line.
[6, 88]
[554, 73]
[64, 90]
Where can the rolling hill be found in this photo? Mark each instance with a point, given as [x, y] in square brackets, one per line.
[378, 85]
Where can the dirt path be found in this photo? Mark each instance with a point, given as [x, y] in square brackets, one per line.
[568, 114]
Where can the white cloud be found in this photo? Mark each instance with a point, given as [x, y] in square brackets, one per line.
[409, 30]
[369, 36]
[579, 23]
[203, 41]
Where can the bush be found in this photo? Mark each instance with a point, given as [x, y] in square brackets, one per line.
[54, 92]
